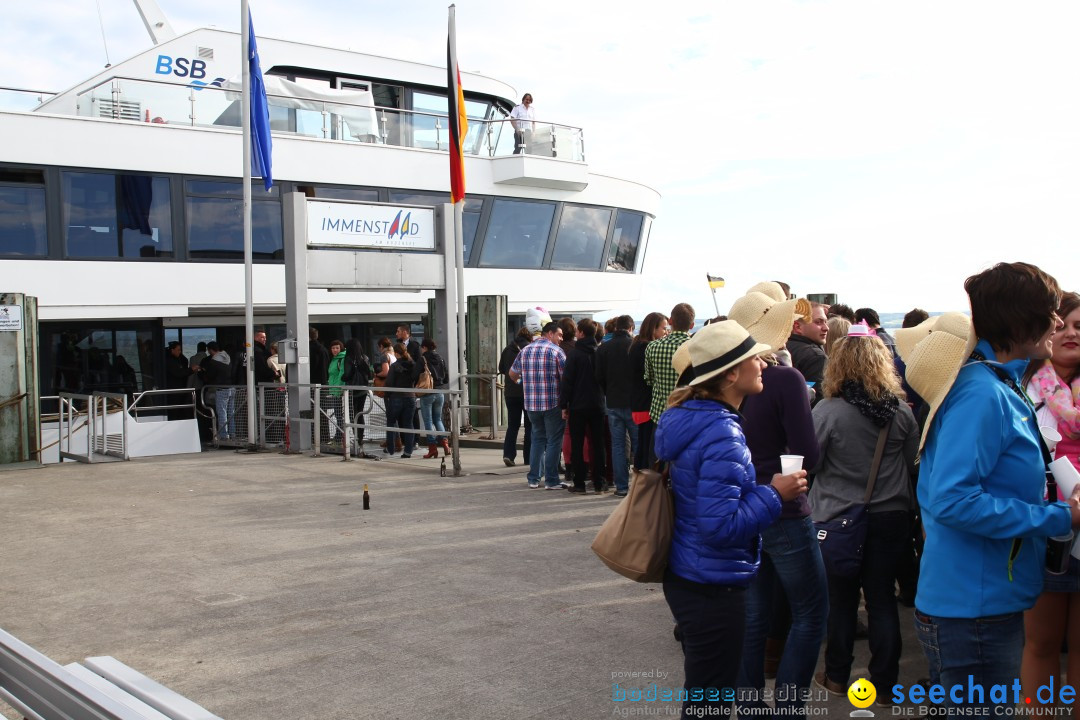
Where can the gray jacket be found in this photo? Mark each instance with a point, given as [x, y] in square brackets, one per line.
[847, 439]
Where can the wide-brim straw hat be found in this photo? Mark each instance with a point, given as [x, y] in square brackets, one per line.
[770, 289]
[934, 351]
[712, 350]
[766, 319]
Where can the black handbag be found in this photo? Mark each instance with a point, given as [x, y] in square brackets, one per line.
[843, 538]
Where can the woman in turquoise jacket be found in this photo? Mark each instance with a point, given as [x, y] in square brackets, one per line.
[982, 479]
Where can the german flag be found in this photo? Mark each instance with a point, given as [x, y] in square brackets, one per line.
[715, 282]
[459, 124]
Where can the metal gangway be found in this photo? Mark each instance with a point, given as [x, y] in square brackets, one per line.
[109, 426]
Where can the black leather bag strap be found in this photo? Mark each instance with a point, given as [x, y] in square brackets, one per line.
[883, 434]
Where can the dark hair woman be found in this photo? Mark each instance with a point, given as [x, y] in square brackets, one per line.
[863, 399]
[431, 404]
[1054, 387]
[720, 510]
[400, 406]
[982, 477]
[654, 326]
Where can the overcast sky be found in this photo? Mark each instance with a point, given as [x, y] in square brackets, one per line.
[882, 151]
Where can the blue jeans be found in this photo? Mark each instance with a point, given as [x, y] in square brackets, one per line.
[431, 407]
[791, 564]
[515, 409]
[621, 425]
[986, 648]
[547, 428]
[399, 411]
[225, 423]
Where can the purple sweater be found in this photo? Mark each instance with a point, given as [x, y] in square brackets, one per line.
[777, 422]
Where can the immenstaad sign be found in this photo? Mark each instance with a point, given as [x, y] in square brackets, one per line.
[357, 225]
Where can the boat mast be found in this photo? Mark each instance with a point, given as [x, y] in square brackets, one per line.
[155, 21]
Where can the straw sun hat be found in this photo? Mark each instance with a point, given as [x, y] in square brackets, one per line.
[713, 349]
[934, 351]
[766, 319]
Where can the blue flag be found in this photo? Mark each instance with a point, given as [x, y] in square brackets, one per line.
[261, 144]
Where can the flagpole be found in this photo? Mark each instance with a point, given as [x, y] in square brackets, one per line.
[249, 312]
[453, 83]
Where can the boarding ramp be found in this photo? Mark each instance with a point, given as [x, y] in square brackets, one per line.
[101, 688]
[106, 427]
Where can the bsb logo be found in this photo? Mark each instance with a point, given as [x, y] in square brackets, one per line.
[181, 67]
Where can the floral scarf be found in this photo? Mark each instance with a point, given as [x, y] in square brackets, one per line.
[879, 412]
[1063, 400]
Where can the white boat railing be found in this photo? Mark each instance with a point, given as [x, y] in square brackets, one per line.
[156, 102]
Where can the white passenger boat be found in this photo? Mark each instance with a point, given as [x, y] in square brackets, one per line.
[120, 201]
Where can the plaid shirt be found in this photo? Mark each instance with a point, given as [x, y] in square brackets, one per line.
[658, 370]
[540, 365]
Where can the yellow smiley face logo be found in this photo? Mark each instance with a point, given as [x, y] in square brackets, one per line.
[862, 693]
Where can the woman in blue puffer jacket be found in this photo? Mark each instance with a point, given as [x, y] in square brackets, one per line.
[720, 510]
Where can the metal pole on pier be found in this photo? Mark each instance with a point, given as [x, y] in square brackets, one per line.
[255, 124]
[249, 309]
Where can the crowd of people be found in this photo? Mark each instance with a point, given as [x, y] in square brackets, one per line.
[936, 435]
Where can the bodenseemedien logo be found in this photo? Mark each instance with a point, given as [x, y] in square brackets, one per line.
[862, 694]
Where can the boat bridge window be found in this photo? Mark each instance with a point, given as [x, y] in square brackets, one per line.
[22, 213]
[582, 236]
[470, 218]
[626, 241]
[425, 134]
[215, 223]
[517, 234]
[109, 215]
[342, 193]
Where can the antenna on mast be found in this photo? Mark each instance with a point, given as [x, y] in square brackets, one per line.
[154, 19]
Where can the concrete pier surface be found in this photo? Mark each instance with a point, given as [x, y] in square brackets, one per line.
[255, 585]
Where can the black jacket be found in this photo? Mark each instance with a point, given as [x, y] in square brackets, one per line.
[177, 371]
[579, 389]
[217, 372]
[614, 371]
[263, 372]
[506, 361]
[808, 358]
[319, 357]
[437, 367]
[357, 364]
[404, 373]
[640, 391]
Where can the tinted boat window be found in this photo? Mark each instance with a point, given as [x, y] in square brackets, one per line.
[110, 216]
[626, 241]
[581, 239]
[517, 234]
[216, 223]
[22, 213]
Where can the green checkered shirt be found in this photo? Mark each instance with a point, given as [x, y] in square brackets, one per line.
[658, 371]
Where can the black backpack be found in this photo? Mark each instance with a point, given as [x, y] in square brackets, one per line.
[358, 371]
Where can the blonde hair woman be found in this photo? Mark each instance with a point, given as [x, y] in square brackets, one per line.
[838, 329]
[863, 398]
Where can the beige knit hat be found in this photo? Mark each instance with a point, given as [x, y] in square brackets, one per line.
[934, 352]
[767, 319]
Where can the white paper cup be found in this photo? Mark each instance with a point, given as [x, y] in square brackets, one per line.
[790, 463]
[1051, 436]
